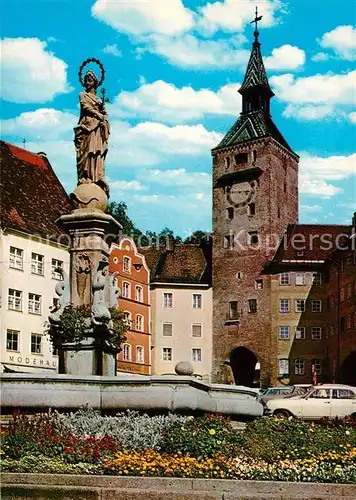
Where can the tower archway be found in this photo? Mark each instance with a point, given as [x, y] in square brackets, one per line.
[348, 369]
[243, 364]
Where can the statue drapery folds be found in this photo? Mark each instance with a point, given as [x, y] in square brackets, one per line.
[92, 134]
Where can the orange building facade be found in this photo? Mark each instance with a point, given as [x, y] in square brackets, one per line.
[133, 279]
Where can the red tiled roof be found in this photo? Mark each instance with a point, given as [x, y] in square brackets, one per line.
[32, 198]
[307, 243]
[183, 264]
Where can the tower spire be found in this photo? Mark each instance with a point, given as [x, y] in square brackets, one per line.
[255, 90]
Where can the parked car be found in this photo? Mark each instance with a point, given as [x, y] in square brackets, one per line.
[283, 391]
[327, 400]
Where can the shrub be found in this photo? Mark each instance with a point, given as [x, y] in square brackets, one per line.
[202, 437]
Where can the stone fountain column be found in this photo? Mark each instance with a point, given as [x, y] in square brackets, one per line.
[89, 226]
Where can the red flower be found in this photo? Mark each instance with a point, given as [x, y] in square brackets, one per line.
[67, 449]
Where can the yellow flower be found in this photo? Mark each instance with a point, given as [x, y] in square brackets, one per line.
[212, 432]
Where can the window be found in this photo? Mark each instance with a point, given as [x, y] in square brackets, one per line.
[300, 305]
[252, 306]
[37, 264]
[229, 241]
[254, 155]
[239, 275]
[197, 300]
[283, 367]
[55, 264]
[348, 321]
[349, 291]
[139, 293]
[139, 322]
[230, 213]
[342, 323]
[253, 238]
[140, 354]
[12, 340]
[317, 279]
[126, 290]
[15, 300]
[300, 279]
[316, 333]
[167, 354]
[167, 300]
[284, 279]
[320, 393]
[342, 294]
[167, 329]
[299, 366]
[251, 209]
[196, 355]
[126, 352]
[343, 394]
[284, 305]
[196, 330]
[127, 318]
[34, 303]
[55, 302]
[36, 343]
[316, 306]
[284, 332]
[233, 314]
[348, 262]
[258, 284]
[300, 332]
[227, 162]
[316, 363]
[16, 258]
[241, 158]
[127, 264]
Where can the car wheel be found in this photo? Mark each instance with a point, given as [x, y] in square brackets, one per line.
[282, 413]
[353, 415]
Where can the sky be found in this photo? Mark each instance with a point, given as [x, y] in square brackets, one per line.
[172, 71]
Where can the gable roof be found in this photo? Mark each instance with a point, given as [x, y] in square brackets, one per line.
[187, 263]
[251, 126]
[32, 198]
[307, 245]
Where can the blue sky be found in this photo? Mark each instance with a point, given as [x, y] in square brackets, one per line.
[173, 69]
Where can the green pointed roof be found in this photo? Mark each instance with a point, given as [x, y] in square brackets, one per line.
[256, 75]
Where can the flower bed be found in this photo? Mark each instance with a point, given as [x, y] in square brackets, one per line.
[130, 444]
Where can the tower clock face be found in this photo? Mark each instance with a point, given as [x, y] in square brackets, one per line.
[241, 194]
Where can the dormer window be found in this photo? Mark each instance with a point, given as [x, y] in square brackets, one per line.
[241, 158]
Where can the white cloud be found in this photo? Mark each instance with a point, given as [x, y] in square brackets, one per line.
[316, 97]
[352, 117]
[127, 186]
[309, 112]
[42, 124]
[317, 172]
[317, 188]
[230, 15]
[320, 57]
[178, 177]
[342, 41]
[188, 51]
[136, 17]
[29, 72]
[286, 57]
[311, 208]
[165, 102]
[328, 88]
[113, 50]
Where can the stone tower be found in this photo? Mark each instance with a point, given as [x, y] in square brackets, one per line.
[255, 196]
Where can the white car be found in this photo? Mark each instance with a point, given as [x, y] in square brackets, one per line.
[327, 400]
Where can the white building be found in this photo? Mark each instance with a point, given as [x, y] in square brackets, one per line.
[31, 247]
[181, 308]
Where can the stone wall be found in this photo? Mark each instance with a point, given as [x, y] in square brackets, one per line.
[73, 487]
